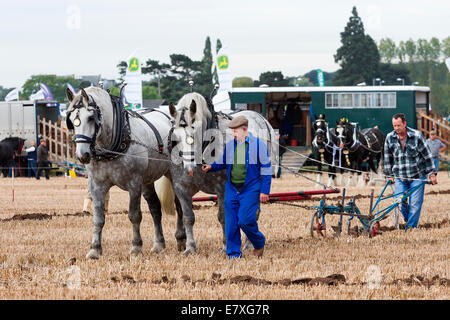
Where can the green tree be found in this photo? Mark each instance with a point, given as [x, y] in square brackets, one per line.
[410, 50]
[57, 85]
[400, 51]
[218, 47]
[122, 66]
[387, 50]
[242, 82]
[446, 47]
[150, 92]
[303, 82]
[358, 56]
[312, 77]
[272, 79]
[205, 78]
[4, 92]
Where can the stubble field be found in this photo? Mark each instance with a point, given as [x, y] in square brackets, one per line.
[44, 238]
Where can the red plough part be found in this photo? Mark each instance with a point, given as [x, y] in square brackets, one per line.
[281, 196]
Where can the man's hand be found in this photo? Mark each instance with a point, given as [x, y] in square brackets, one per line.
[392, 179]
[263, 197]
[433, 178]
[206, 167]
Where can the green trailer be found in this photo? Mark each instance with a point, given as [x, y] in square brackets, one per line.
[366, 105]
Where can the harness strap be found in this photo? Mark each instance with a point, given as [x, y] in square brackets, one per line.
[155, 131]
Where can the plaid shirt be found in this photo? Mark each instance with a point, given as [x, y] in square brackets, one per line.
[414, 162]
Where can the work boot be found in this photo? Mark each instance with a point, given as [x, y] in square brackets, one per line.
[258, 252]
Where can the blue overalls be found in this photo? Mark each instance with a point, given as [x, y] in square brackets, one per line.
[241, 206]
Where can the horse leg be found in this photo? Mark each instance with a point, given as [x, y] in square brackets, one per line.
[319, 174]
[359, 167]
[135, 217]
[154, 205]
[221, 217]
[98, 193]
[180, 233]
[331, 176]
[188, 218]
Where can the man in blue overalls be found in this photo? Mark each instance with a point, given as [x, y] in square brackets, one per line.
[249, 175]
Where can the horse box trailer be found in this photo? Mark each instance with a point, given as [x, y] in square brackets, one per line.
[20, 118]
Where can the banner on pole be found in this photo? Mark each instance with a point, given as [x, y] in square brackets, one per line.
[223, 70]
[320, 78]
[47, 92]
[12, 95]
[133, 78]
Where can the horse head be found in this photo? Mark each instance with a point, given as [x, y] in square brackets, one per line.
[345, 132]
[84, 116]
[321, 132]
[191, 121]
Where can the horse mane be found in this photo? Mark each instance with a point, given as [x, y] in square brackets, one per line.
[203, 112]
[12, 139]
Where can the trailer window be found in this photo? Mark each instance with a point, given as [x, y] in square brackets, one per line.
[360, 100]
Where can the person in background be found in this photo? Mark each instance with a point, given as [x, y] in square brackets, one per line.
[436, 146]
[87, 205]
[249, 175]
[407, 163]
[282, 144]
[31, 158]
[42, 160]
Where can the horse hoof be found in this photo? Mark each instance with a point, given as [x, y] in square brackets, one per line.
[189, 251]
[158, 247]
[135, 251]
[93, 254]
[181, 245]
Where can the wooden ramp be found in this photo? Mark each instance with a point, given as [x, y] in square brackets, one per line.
[61, 149]
[426, 123]
[296, 158]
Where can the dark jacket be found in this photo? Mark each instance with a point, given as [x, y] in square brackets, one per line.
[258, 168]
[42, 153]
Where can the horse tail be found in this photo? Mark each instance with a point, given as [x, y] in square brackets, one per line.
[166, 195]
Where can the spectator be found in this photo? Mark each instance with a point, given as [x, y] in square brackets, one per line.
[408, 161]
[436, 146]
[42, 160]
[282, 144]
[31, 158]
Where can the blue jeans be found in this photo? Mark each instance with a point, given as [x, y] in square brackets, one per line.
[411, 212]
[32, 171]
[240, 213]
[436, 164]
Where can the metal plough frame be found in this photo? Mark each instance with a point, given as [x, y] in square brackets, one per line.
[370, 222]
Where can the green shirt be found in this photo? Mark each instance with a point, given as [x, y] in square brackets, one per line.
[238, 168]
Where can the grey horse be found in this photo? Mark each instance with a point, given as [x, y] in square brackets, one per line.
[199, 135]
[121, 149]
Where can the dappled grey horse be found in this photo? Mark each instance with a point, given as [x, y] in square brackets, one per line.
[124, 149]
[199, 135]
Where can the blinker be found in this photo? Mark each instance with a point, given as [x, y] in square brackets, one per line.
[76, 122]
[189, 140]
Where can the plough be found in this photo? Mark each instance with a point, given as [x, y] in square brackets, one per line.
[370, 222]
[281, 196]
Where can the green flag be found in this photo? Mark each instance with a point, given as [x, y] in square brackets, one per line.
[320, 79]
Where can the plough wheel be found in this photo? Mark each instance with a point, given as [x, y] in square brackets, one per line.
[318, 229]
[374, 229]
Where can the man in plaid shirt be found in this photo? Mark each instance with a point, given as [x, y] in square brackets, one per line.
[407, 156]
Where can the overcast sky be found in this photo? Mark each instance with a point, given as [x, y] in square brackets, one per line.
[91, 37]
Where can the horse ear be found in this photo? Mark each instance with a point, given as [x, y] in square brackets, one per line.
[173, 110]
[337, 122]
[84, 94]
[69, 94]
[193, 107]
